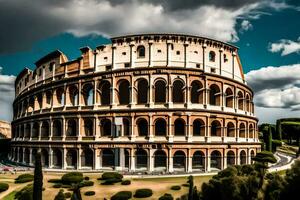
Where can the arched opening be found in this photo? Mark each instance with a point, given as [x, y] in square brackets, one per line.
[142, 93]
[72, 127]
[229, 98]
[20, 155]
[160, 127]
[215, 129]
[88, 94]
[198, 127]
[252, 155]
[27, 131]
[198, 161]
[178, 92]
[127, 158]
[88, 127]
[160, 91]
[39, 98]
[251, 131]
[197, 92]
[45, 129]
[126, 127]
[212, 56]
[48, 98]
[247, 103]
[73, 95]
[27, 156]
[230, 158]
[108, 158]
[60, 96]
[87, 158]
[141, 159]
[243, 158]
[214, 95]
[240, 100]
[106, 127]
[242, 130]
[124, 92]
[57, 128]
[72, 158]
[140, 51]
[142, 126]
[57, 158]
[160, 160]
[45, 158]
[230, 130]
[215, 160]
[179, 127]
[35, 130]
[179, 160]
[105, 93]
[34, 152]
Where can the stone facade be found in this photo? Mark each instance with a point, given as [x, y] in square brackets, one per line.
[153, 102]
[5, 129]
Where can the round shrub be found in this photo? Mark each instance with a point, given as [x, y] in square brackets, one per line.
[54, 180]
[111, 175]
[60, 195]
[3, 187]
[185, 185]
[87, 178]
[143, 193]
[67, 195]
[86, 183]
[89, 193]
[72, 177]
[126, 182]
[57, 185]
[111, 181]
[166, 197]
[66, 186]
[175, 187]
[25, 193]
[24, 178]
[122, 195]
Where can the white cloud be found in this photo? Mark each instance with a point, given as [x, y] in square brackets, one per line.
[246, 25]
[285, 46]
[7, 94]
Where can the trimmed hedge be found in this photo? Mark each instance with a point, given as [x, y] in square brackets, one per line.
[122, 195]
[87, 178]
[186, 185]
[24, 178]
[86, 183]
[111, 181]
[126, 182]
[57, 185]
[3, 187]
[89, 193]
[111, 175]
[25, 193]
[143, 193]
[72, 177]
[176, 187]
[60, 195]
[54, 180]
[68, 195]
[166, 197]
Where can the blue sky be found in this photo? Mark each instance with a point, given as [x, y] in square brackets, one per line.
[266, 31]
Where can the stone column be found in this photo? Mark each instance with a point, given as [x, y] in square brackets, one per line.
[96, 159]
[170, 131]
[30, 157]
[131, 45]
[64, 159]
[151, 160]
[151, 103]
[190, 161]
[151, 129]
[132, 160]
[113, 93]
[79, 152]
[50, 157]
[132, 131]
[170, 161]
[208, 160]
[189, 131]
[224, 159]
[150, 52]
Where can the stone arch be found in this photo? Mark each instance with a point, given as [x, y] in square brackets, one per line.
[73, 95]
[87, 158]
[35, 130]
[240, 97]
[160, 127]
[216, 159]
[179, 160]
[27, 130]
[48, 98]
[71, 127]
[72, 158]
[39, 98]
[45, 158]
[178, 91]
[160, 93]
[198, 161]
[142, 91]
[33, 152]
[88, 94]
[243, 157]
[251, 131]
[242, 130]
[197, 92]
[141, 159]
[160, 160]
[57, 128]
[88, 127]
[198, 127]
[60, 96]
[229, 98]
[230, 158]
[230, 129]
[214, 95]
[57, 158]
[179, 127]
[126, 126]
[142, 126]
[106, 127]
[141, 51]
[27, 156]
[45, 129]
[252, 155]
[248, 102]
[215, 129]
[20, 154]
[108, 158]
[105, 92]
[124, 92]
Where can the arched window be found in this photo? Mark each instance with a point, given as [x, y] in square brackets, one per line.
[142, 94]
[44, 158]
[73, 95]
[251, 131]
[142, 126]
[240, 100]
[88, 127]
[35, 130]
[141, 159]
[57, 158]
[242, 130]
[229, 98]
[243, 158]
[214, 95]
[48, 98]
[198, 127]
[230, 129]
[105, 93]
[179, 127]
[72, 158]
[140, 51]
[197, 92]
[160, 127]
[248, 103]
[215, 160]
[124, 92]
[108, 158]
[60, 95]
[212, 56]
[88, 94]
[215, 129]
[198, 161]
[72, 128]
[179, 160]
[126, 127]
[230, 158]
[45, 129]
[27, 131]
[160, 91]
[106, 127]
[40, 101]
[57, 128]
[87, 158]
[178, 94]
[160, 159]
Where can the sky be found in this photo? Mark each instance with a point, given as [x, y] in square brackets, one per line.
[266, 32]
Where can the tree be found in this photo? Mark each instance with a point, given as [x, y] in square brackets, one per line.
[292, 178]
[278, 129]
[60, 195]
[76, 192]
[191, 187]
[38, 178]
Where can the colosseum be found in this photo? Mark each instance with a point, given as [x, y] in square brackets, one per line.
[165, 103]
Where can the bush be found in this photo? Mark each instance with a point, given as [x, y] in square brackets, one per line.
[24, 178]
[89, 193]
[122, 195]
[126, 182]
[111, 181]
[186, 185]
[54, 180]
[66, 186]
[60, 195]
[25, 193]
[111, 175]
[57, 185]
[3, 187]
[143, 193]
[175, 187]
[166, 197]
[87, 178]
[86, 183]
[72, 177]
[67, 195]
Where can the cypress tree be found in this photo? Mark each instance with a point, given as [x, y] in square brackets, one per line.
[191, 187]
[38, 178]
[278, 129]
[270, 139]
